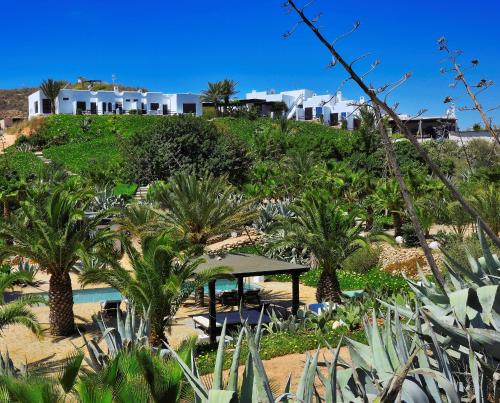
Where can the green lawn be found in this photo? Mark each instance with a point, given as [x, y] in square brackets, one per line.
[77, 157]
[25, 163]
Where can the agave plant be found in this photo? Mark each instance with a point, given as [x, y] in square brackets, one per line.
[395, 365]
[128, 333]
[465, 316]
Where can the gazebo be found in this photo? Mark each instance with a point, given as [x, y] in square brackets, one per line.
[247, 265]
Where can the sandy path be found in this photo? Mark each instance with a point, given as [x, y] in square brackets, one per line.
[7, 140]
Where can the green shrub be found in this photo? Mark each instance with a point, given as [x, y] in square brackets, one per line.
[409, 235]
[362, 261]
[183, 143]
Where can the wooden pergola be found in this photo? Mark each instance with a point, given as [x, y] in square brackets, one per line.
[247, 265]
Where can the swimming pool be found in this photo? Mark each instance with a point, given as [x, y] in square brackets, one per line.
[229, 285]
[80, 296]
[89, 295]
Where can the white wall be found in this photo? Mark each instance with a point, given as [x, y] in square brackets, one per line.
[66, 102]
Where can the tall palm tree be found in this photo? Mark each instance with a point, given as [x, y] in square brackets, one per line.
[159, 281]
[228, 89]
[199, 208]
[388, 197]
[54, 232]
[328, 232]
[51, 89]
[214, 95]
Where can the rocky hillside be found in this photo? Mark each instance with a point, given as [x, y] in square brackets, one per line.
[14, 103]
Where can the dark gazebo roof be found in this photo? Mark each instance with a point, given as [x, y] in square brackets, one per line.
[247, 265]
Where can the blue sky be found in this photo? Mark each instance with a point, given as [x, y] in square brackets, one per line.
[176, 46]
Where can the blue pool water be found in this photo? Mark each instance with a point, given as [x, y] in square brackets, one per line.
[109, 294]
[229, 285]
[79, 296]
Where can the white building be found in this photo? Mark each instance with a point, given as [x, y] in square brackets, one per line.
[304, 104]
[70, 101]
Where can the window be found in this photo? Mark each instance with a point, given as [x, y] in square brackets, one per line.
[46, 106]
[65, 99]
[36, 106]
[343, 115]
[155, 106]
[189, 108]
[136, 100]
[319, 111]
[127, 100]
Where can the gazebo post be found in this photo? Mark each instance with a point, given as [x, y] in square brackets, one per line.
[240, 291]
[212, 328]
[295, 292]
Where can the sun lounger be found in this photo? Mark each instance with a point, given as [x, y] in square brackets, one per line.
[228, 298]
[110, 307]
[232, 318]
[252, 296]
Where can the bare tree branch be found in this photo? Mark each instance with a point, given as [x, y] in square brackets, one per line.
[422, 152]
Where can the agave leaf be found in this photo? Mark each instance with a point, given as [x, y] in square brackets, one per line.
[474, 371]
[379, 352]
[443, 383]
[360, 354]
[489, 299]
[261, 382]
[194, 369]
[459, 301]
[232, 383]
[194, 381]
[480, 339]
[491, 265]
[222, 396]
[301, 387]
[246, 393]
[219, 360]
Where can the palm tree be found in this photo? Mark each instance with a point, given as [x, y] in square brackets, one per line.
[214, 95]
[17, 311]
[159, 281]
[198, 208]
[54, 232]
[487, 202]
[228, 89]
[138, 375]
[388, 197]
[328, 232]
[51, 89]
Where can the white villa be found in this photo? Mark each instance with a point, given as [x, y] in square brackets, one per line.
[306, 105]
[70, 101]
